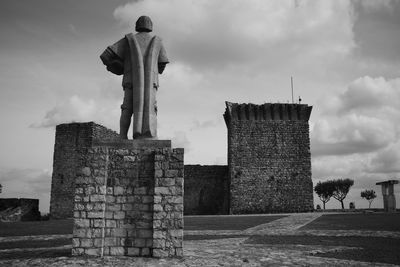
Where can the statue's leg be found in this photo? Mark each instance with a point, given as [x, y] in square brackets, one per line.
[126, 113]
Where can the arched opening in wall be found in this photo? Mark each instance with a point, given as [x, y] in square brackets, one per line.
[61, 178]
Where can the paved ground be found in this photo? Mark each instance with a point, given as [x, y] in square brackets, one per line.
[226, 248]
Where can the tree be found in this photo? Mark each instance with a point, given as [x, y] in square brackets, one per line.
[341, 189]
[324, 191]
[369, 195]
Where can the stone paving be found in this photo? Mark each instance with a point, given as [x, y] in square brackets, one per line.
[225, 251]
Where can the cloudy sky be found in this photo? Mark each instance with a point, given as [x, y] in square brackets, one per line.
[344, 57]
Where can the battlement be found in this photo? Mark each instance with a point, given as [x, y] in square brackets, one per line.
[267, 111]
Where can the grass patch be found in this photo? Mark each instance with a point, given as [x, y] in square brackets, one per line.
[227, 222]
[53, 227]
[373, 222]
[35, 254]
[35, 243]
[209, 237]
[373, 249]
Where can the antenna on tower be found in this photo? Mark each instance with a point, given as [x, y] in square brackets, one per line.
[291, 82]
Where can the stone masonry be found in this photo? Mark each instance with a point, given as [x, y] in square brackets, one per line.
[71, 139]
[129, 202]
[269, 165]
[206, 189]
[126, 196]
[269, 158]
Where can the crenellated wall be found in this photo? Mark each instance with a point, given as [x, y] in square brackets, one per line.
[269, 158]
[267, 111]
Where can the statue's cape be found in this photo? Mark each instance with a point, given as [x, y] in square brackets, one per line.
[144, 85]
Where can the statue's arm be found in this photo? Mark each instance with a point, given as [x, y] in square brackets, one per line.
[162, 59]
[112, 57]
[161, 67]
[112, 61]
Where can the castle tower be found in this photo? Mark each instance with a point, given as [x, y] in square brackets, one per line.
[269, 158]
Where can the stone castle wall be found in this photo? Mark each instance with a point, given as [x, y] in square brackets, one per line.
[206, 190]
[269, 158]
[71, 140]
[129, 202]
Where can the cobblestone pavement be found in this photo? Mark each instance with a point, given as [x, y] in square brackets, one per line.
[223, 252]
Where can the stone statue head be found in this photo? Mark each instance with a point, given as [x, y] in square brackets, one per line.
[144, 24]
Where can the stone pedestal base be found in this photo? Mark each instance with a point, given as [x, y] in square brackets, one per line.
[125, 196]
[129, 202]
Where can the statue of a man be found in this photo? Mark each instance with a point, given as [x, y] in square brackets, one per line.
[140, 58]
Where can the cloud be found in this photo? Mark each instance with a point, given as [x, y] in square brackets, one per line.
[74, 109]
[217, 34]
[373, 5]
[202, 125]
[359, 120]
[181, 76]
[377, 31]
[351, 134]
[368, 94]
[357, 137]
[180, 140]
[77, 109]
[387, 160]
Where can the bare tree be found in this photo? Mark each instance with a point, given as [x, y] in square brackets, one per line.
[369, 195]
[341, 189]
[324, 191]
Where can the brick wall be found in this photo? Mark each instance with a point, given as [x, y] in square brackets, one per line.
[206, 190]
[269, 158]
[129, 202]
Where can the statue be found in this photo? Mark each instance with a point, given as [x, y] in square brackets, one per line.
[139, 58]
